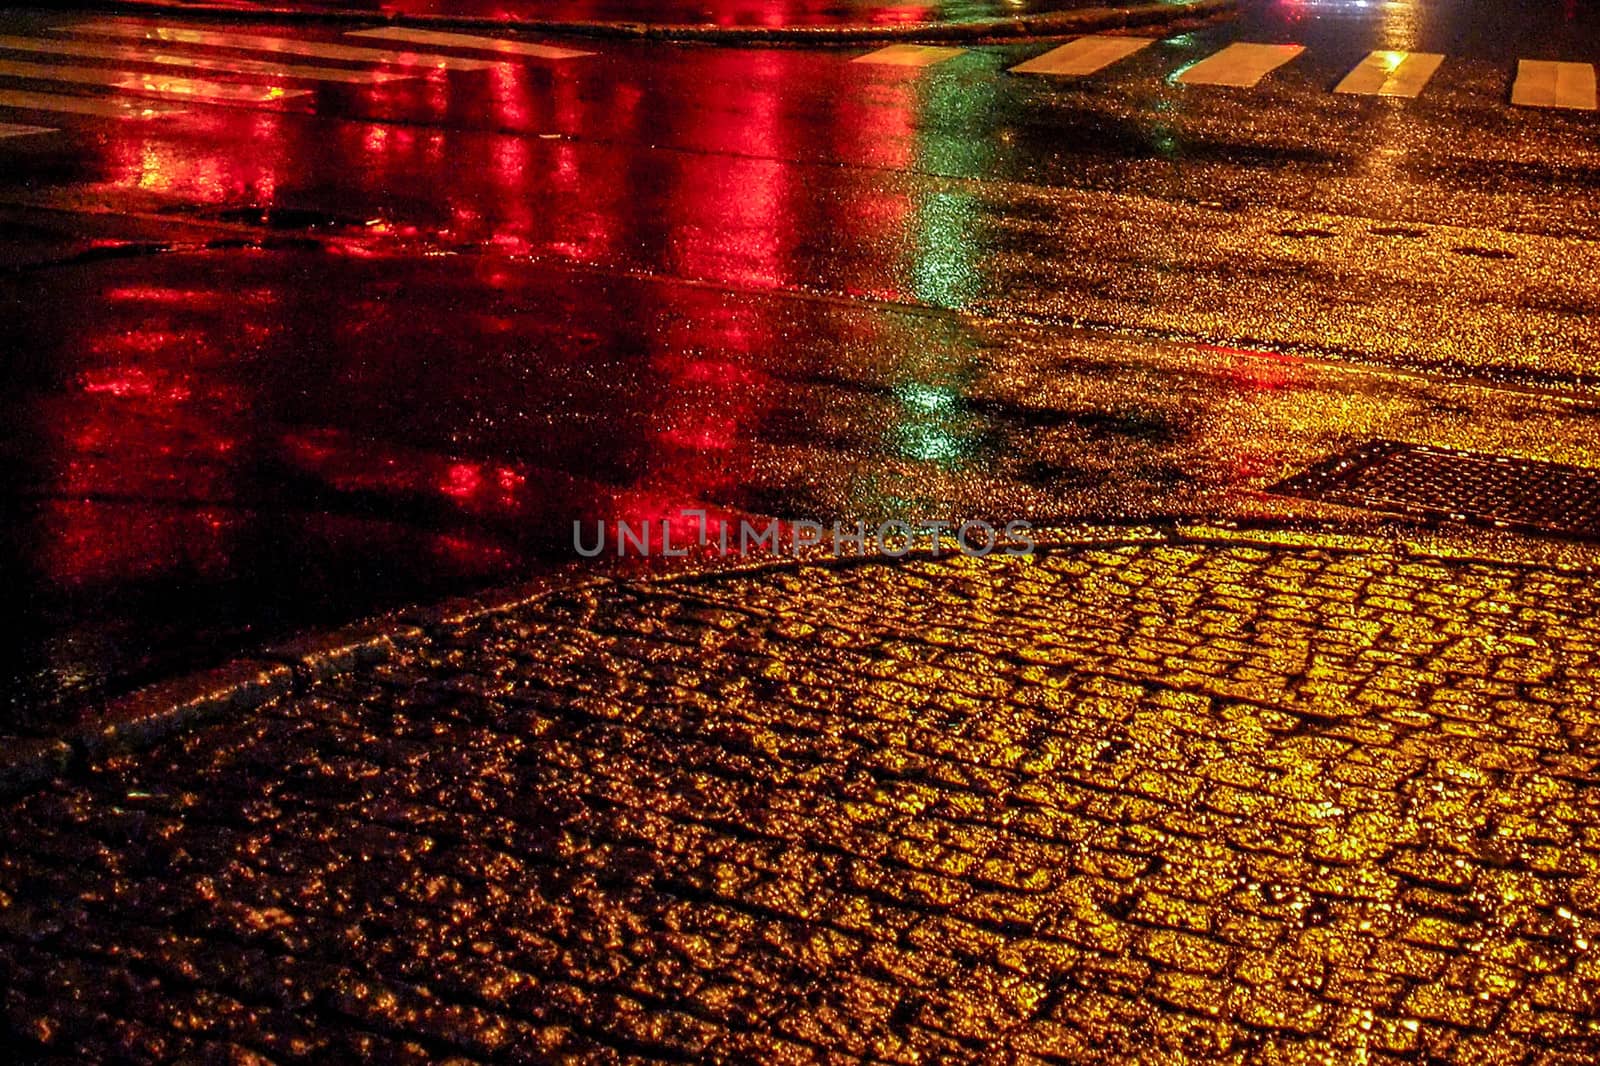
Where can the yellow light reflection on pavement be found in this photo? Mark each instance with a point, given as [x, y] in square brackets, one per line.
[281, 45]
[131, 81]
[222, 64]
[1391, 73]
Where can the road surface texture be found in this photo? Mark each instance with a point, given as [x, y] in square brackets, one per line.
[1157, 800]
[1281, 749]
[726, 14]
[287, 351]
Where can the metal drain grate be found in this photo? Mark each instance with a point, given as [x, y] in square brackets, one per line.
[1440, 483]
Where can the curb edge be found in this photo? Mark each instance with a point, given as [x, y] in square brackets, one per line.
[239, 686]
[1042, 24]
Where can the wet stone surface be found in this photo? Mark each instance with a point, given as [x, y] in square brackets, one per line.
[1164, 802]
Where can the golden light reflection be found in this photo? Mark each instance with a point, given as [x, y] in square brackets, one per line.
[151, 163]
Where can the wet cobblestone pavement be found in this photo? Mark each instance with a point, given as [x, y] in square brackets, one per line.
[1175, 801]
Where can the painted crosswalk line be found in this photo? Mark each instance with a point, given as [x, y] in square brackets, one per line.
[469, 42]
[909, 55]
[221, 64]
[11, 129]
[99, 106]
[1084, 56]
[1544, 84]
[148, 84]
[247, 42]
[1391, 74]
[1239, 65]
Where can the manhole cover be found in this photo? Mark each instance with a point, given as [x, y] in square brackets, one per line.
[1442, 483]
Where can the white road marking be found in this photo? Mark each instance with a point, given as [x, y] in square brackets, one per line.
[1391, 74]
[1545, 84]
[135, 54]
[1083, 56]
[909, 55]
[153, 84]
[469, 42]
[280, 45]
[1240, 65]
[101, 106]
[9, 129]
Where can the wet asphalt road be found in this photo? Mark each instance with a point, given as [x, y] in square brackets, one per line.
[726, 13]
[484, 304]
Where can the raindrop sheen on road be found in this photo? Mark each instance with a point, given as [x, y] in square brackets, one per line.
[278, 364]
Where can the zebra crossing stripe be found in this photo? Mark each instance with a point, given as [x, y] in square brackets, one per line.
[909, 55]
[1544, 84]
[467, 41]
[9, 129]
[135, 54]
[1239, 65]
[150, 84]
[1086, 55]
[99, 106]
[1391, 74]
[247, 42]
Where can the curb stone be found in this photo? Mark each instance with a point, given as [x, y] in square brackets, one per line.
[156, 712]
[159, 711]
[320, 657]
[1042, 24]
